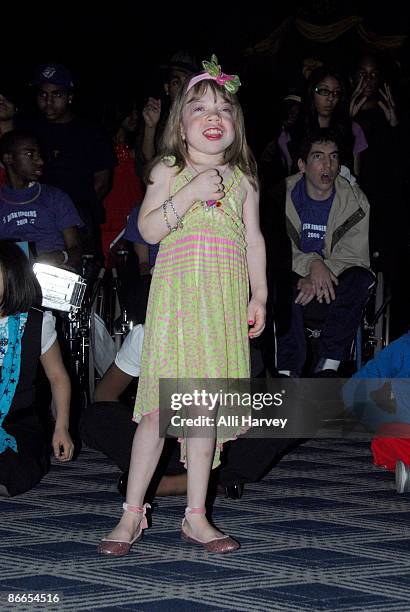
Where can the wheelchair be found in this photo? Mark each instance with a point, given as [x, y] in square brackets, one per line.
[373, 333]
[101, 307]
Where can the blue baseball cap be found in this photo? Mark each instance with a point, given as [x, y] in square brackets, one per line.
[56, 74]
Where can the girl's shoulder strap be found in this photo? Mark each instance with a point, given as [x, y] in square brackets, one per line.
[238, 173]
[236, 177]
[182, 175]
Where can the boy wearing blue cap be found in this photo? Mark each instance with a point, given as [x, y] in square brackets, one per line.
[78, 156]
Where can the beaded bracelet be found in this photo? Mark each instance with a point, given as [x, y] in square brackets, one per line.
[179, 224]
[178, 218]
[165, 213]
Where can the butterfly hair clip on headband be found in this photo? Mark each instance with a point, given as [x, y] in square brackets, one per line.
[213, 71]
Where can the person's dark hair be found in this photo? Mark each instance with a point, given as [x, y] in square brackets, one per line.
[340, 120]
[10, 140]
[340, 115]
[114, 115]
[10, 92]
[318, 135]
[21, 288]
[379, 60]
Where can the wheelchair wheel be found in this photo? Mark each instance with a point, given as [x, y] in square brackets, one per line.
[78, 340]
[374, 334]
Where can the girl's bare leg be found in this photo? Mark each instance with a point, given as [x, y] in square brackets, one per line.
[200, 453]
[146, 450]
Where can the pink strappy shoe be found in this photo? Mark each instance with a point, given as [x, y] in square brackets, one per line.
[119, 548]
[224, 544]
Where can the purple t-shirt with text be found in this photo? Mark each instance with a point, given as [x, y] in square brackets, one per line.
[313, 215]
[40, 213]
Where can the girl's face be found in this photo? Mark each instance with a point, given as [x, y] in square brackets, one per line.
[208, 125]
[326, 96]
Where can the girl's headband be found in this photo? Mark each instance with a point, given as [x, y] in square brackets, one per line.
[214, 72]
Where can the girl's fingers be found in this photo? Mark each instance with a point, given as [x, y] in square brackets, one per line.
[258, 323]
[256, 333]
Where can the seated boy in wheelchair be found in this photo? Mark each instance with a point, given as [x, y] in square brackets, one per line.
[318, 256]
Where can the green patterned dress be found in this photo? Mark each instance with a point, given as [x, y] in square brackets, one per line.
[196, 323]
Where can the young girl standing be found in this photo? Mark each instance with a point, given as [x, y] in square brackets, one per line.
[202, 205]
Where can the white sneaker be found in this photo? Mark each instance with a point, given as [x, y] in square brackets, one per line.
[402, 477]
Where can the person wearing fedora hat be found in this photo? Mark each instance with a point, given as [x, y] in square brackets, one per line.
[181, 65]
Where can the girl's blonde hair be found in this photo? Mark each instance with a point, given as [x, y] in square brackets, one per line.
[173, 146]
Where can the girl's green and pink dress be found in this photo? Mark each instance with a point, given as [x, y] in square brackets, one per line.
[196, 325]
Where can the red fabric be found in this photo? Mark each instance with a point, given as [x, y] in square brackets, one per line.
[2, 176]
[126, 191]
[387, 450]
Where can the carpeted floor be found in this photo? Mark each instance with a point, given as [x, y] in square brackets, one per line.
[325, 531]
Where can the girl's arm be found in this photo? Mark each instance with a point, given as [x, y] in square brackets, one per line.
[256, 258]
[151, 221]
[61, 392]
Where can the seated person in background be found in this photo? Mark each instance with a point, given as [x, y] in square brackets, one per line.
[327, 221]
[276, 162]
[34, 212]
[147, 253]
[107, 426]
[126, 188]
[136, 286]
[78, 156]
[8, 111]
[27, 336]
[383, 406]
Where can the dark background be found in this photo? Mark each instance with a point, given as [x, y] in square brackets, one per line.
[118, 41]
[114, 49]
